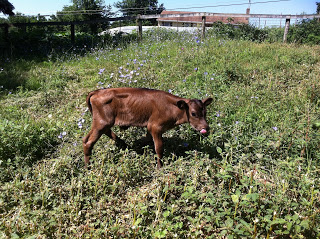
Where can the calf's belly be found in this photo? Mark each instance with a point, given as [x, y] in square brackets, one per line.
[131, 121]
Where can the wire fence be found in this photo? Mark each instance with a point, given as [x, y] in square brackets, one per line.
[69, 28]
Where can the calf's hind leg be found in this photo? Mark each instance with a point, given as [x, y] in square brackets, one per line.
[89, 141]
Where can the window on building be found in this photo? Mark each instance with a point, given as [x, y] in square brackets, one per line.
[167, 24]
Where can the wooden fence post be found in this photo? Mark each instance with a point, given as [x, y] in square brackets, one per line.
[139, 24]
[203, 27]
[72, 34]
[286, 30]
[5, 47]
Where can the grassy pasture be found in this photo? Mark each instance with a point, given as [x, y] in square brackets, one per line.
[257, 174]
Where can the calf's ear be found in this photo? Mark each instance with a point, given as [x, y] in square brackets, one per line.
[182, 104]
[207, 101]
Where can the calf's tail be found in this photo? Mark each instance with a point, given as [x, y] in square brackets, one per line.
[88, 100]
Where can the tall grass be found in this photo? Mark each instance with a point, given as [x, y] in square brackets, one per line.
[255, 176]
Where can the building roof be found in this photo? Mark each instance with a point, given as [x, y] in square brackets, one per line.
[198, 19]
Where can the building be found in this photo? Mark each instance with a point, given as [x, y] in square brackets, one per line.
[196, 21]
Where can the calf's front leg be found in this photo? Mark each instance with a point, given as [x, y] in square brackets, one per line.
[158, 145]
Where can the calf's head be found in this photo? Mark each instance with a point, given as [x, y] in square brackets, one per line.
[196, 113]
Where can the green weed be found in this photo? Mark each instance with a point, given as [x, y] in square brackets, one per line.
[255, 176]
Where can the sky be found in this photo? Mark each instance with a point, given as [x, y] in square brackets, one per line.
[35, 7]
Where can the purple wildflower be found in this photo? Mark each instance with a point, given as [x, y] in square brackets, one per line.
[64, 133]
[80, 122]
[101, 71]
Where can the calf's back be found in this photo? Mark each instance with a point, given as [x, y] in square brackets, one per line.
[136, 106]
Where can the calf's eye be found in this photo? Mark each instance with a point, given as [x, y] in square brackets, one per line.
[193, 114]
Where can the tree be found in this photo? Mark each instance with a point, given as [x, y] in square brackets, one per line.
[6, 7]
[136, 7]
[82, 10]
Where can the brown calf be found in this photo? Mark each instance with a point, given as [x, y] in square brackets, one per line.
[157, 110]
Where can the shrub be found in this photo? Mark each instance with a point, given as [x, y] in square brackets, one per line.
[240, 32]
[306, 32]
[25, 140]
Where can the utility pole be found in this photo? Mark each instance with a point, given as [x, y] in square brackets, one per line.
[248, 10]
